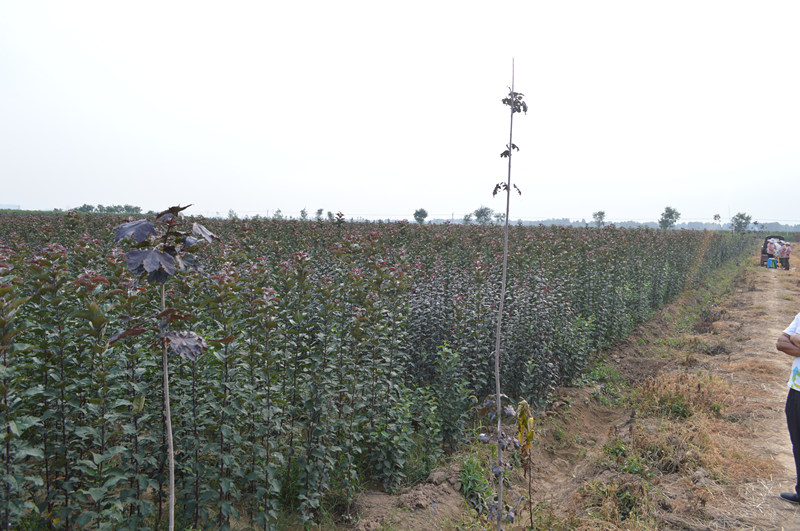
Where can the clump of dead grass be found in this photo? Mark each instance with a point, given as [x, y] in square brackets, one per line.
[682, 429]
[619, 501]
[682, 395]
[670, 447]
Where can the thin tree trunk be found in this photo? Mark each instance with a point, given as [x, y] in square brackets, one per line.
[500, 320]
[168, 420]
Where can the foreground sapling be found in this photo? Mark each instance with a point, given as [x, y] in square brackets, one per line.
[158, 254]
[516, 104]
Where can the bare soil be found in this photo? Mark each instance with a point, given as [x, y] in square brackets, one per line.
[746, 459]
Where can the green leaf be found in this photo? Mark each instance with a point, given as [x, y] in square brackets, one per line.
[138, 404]
[316, 452]
[97, 493]
[28, 451]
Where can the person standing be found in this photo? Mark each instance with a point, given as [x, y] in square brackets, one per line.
[783, 255]
[770, 249]
[789, 343]
[780, 255]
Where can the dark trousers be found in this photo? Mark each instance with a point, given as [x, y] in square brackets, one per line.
[784, 263]
[793, 421]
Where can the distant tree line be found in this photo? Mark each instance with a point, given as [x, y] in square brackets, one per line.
[111, 209]
[741, 222]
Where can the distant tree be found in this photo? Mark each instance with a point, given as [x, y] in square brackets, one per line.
[85, 208]
[419, 215]
[468, 219]
[669, 218]
[483, 215]
[278, 214]
[330, 216]
[500, 217]
[599, 218]
[319, 214]
[232, 214]
[304, 214]
[740, 222]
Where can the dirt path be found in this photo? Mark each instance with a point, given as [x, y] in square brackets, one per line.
[739, 349]
[753, 319]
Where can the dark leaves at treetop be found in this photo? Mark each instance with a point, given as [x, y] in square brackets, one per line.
[159, 266]
[172, 211]
[504, 187]
[139, 230]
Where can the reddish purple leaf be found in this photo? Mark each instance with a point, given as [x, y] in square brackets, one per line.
[139, 230]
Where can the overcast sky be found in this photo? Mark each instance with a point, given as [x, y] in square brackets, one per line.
[376, 109]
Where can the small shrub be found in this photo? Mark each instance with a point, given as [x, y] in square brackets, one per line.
[626, 458]
[453, 397]
[475, 485]
[608, 383]
[427, 438]
[617, 501]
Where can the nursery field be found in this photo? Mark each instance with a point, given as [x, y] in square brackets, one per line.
[678, 426]
[309, 359]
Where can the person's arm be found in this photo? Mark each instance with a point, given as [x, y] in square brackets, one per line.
[795, 339]
[787, 345]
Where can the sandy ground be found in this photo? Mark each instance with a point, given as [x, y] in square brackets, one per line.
[739, 348]
[753, 320]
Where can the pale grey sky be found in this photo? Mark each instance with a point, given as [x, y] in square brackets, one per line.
[376, 109]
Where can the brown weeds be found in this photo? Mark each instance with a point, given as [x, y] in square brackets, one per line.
[681, 395]
[687, 432]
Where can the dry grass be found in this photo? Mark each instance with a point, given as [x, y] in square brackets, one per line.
[682, 395]
[758, 370]
[681, 429]
[618, 502]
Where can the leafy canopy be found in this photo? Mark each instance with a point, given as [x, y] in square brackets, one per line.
[740, 222]
[669, 217]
